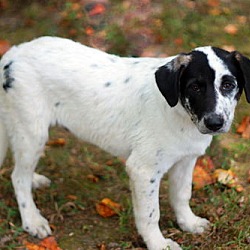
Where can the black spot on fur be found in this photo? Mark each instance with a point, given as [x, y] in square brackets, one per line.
[152, 181]
[8, 78]
[151, 214]
[57, 104]
[151, 193]
[107, 84]
[127, 80]
[23, 205]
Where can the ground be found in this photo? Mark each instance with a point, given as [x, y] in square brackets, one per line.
[81, 174]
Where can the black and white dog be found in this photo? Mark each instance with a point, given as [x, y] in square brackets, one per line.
[158, 114]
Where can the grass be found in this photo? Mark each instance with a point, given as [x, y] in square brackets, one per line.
[69, 203]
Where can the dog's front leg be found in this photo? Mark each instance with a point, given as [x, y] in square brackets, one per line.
[145, 182]
[180, 189]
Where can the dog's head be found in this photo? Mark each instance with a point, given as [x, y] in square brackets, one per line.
[208, 82]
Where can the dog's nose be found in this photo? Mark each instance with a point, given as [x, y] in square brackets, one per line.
[214, 122]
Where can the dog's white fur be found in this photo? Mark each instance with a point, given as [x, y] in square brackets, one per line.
[111, 102]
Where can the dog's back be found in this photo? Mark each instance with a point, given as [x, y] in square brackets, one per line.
[95, 95]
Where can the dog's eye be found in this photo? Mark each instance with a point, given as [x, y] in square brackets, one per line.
[195, 87]
[227, 86]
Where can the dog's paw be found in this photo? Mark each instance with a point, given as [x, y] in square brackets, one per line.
[165, 244]
[171, 245]
[38, 227]
[196, 225]
[40, 181]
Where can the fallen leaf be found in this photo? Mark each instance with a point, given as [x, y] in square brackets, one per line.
[244, 127]
[57, 142]
[228, 48]
[89, 31]
[228, 178]
[103, 247]
[201, 178]
[108, 208]
[4, 46]
[202, 175]
[97, 9]
[206, 163]
[213, 3]
[242, 19]
[178, 41]
[48, 243]
[72, 197]
[93, 178]
[231, 29]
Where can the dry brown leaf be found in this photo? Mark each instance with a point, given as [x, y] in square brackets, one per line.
[228, 48]
[72, 197]
[228, 178]
[108, 208]
[48, 243]
[231, 29]
[244, 127]
[213, 3]
[4, 46]
[202, 174]
[93, 178]
[201, 178]
[97, 9]
[248, 176]
[89, 31]
[57, 142]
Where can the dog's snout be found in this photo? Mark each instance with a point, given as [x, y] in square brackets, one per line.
[214, 122]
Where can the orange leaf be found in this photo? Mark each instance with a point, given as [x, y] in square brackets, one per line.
[93, 178]
[50, 243]
[72, 197]
[57, 142]
[228, 178]
[201, 178]
[89, 31]
[206, 163]
[32, 246]
[244, 127]
[213, 3]
[108, 208]
[202, 174]
[231, 29]
[97, 9]
[4, 46]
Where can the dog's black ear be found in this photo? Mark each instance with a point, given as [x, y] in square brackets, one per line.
[168, 78]
[244, 66]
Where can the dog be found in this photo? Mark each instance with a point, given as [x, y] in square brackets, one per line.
[157, 113]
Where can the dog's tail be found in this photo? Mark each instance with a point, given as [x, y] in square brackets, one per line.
[3, 142]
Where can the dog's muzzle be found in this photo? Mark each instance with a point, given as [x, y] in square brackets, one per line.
[214, 122]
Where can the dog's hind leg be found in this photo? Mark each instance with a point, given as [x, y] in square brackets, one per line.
[27, 144]
[180, 188]
[3, 143]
